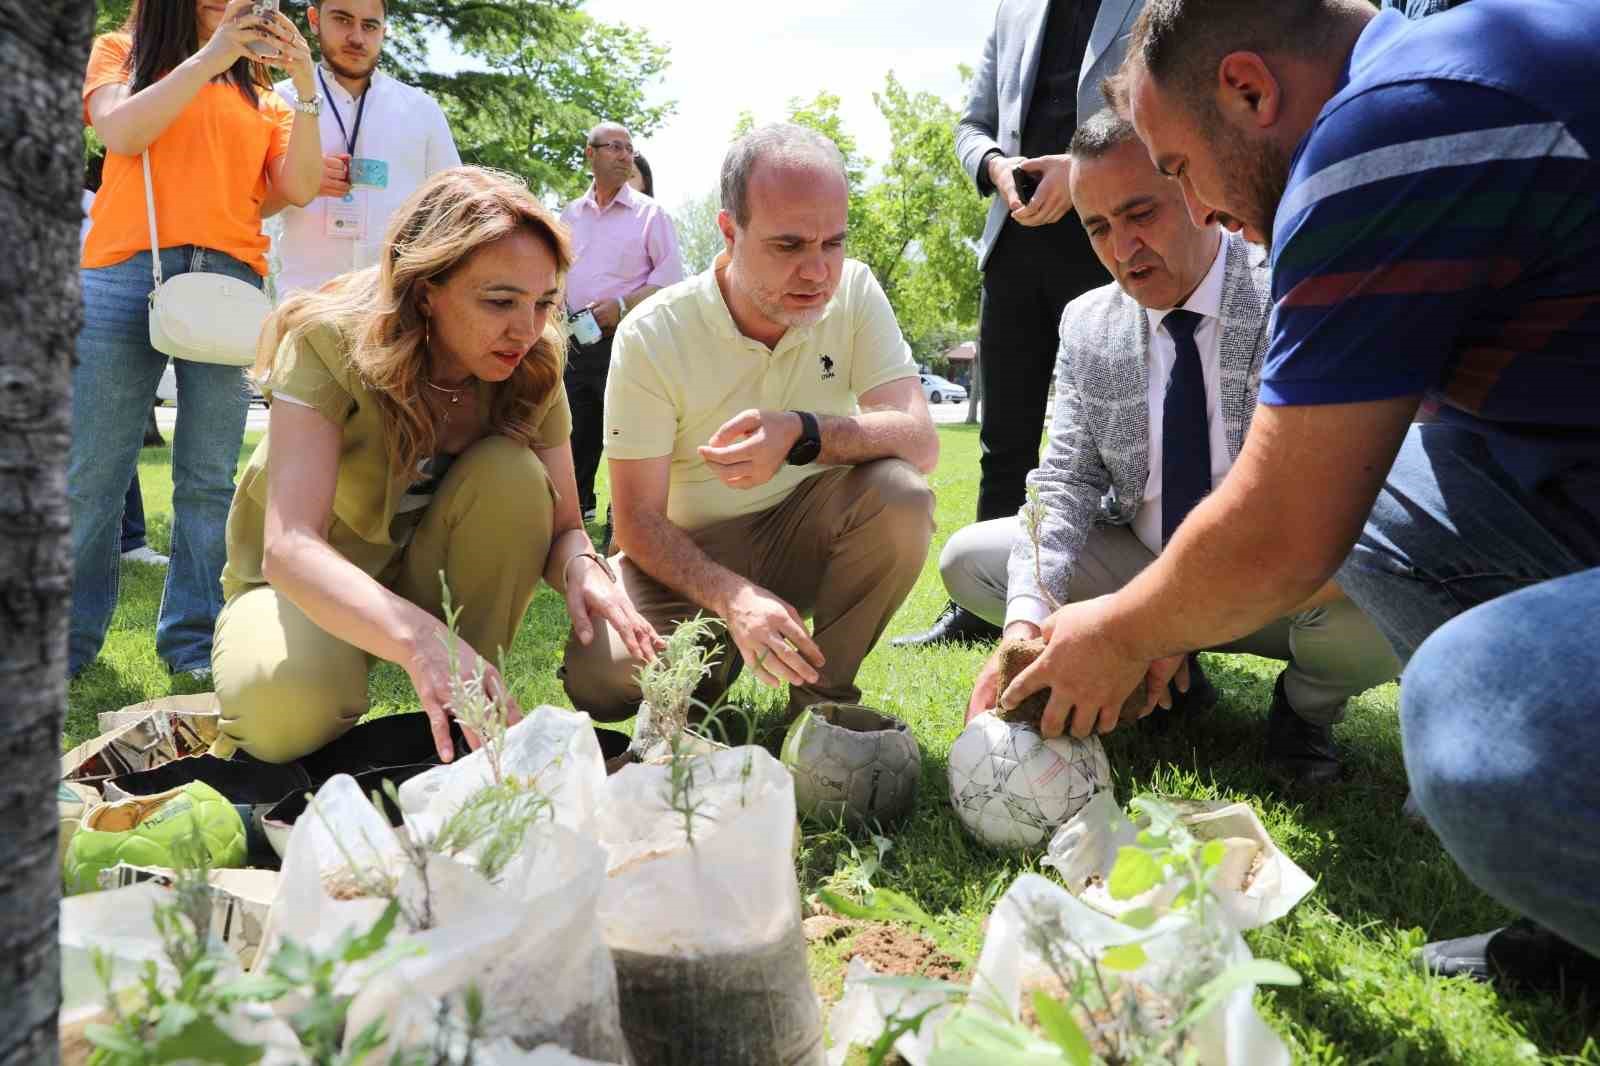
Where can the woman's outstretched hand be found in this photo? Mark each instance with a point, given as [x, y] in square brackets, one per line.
[593, 595]
[429, 670]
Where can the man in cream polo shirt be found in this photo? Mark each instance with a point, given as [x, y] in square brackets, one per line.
[767, 440]
[381, 139]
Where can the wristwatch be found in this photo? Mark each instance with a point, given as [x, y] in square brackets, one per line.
[312, 107]
[809, 446]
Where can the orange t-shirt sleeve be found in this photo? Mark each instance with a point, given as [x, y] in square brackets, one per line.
[108, 65]
[282, 116]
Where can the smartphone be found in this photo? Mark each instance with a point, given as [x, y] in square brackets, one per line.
[1026, 181]
[584, 327]
[259, 8]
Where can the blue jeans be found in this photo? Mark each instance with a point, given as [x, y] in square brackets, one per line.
[1450, 530]
[113, 388]
[132, 535]
[1500, 712]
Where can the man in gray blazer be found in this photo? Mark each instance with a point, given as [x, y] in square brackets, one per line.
[1040, 75]
[1156, 381]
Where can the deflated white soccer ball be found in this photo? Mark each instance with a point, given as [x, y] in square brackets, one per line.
[1011, 788]
[850, 760]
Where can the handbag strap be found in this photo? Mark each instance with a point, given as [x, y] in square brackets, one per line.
[150, 210]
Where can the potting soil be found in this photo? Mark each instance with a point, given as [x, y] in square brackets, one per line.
[746, 1008]
[1016, 656]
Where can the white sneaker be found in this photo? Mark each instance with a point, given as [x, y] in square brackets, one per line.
[146, 555]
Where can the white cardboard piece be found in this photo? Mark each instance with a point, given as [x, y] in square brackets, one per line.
[1085, 848]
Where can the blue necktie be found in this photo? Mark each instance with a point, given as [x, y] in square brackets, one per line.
[1185, 438]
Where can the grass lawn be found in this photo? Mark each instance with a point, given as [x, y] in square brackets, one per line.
[1384, 885]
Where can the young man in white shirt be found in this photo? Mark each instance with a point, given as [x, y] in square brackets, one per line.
[381, 139]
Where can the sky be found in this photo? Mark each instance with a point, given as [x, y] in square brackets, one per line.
[730, 56]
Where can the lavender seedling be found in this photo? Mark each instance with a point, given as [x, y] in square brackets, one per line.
[1033, 524]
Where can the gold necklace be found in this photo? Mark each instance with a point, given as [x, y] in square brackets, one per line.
[454, 394]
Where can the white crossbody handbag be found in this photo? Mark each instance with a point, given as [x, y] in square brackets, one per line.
[202, 317]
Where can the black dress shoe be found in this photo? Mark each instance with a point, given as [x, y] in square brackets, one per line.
[1201, 697]
[1523, 953]
[956, 624]
[1299, 753]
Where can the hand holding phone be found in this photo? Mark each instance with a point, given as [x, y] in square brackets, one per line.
[261, 9]
[1026, 182]
[584, 328]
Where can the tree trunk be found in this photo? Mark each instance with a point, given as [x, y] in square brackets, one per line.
[44, 48]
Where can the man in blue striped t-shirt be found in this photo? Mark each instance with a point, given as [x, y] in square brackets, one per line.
[1431, 194]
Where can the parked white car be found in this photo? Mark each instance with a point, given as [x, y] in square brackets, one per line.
[938, 390]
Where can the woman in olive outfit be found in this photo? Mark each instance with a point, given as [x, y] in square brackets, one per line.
[418, 425]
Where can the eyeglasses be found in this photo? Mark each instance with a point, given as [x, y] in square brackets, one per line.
[619, 147]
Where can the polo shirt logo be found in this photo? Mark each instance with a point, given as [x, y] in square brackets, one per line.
[827, 366]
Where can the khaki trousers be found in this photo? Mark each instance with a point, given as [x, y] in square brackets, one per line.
[286, 687]
[845, 549]
[1333, 651]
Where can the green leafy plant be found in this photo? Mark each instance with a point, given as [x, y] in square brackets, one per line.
[1093, 1007]
[483, 710]
[1033, 513]
[320, 1024]
[186, 1019]
[682, 723]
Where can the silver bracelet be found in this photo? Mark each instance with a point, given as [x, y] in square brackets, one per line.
[605, 567]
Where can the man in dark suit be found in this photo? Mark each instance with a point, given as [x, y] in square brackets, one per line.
[1041, 70]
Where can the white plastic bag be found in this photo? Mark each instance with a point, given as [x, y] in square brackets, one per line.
[556, 749]
[1263, 886]
[120, 924]
[1231, 1035]
[711, 961]
[529, 943]
[868, 1002]
[341, 835]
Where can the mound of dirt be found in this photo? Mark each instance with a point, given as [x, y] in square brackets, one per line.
[896, 952]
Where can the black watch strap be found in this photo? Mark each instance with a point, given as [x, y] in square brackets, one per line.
[809, 446]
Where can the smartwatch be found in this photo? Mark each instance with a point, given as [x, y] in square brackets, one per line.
[809, 446]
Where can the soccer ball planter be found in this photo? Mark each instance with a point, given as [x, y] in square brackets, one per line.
[1011, 788]
[852, 761]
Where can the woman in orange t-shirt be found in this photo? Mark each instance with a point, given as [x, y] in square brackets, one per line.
[186, 81]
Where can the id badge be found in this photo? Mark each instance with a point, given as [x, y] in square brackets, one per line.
[347, 218]
[369, 173]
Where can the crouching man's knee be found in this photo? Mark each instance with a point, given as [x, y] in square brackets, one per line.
[901, 504]
[1468, 746]
[601, 679]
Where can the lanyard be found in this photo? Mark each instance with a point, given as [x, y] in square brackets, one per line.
[350, 136]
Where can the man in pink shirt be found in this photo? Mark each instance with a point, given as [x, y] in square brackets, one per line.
[625, 249]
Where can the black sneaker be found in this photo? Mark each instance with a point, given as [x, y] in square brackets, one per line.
[1299, 753]
[1201, 697]
[956, 624]
[1523, 953]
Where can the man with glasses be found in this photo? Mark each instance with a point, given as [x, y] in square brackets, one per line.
[381, 140]
[624, 249]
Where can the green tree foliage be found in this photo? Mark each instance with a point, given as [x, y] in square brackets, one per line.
[914, 221]
[699, 239]
[535, 76]
[923, 217]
